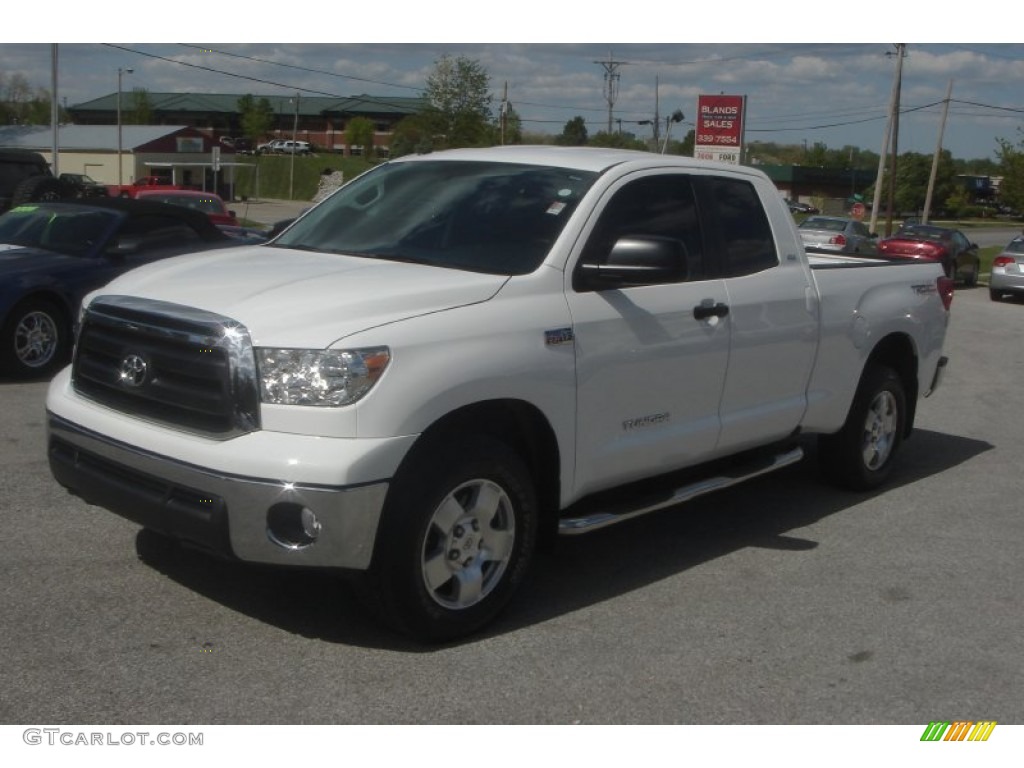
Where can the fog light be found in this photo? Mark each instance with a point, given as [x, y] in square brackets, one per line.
[292, 525]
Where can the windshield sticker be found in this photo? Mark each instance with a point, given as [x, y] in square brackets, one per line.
[555, 208]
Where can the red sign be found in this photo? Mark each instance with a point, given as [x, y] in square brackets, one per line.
[719, 121]
[857, 211]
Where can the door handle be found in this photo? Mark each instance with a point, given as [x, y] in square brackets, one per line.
[707, 309]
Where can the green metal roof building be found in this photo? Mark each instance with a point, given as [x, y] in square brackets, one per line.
[320, 120]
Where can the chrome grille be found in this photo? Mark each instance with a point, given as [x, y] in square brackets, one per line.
[180, 366]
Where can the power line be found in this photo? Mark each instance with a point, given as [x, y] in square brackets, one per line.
[299, 68]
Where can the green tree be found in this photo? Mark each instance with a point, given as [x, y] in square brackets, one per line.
[1011, 167]
[359, 132]
[513, 127]
[412, 135]
[256, 117]
[140, 108]
[912, 174]
[684, 147]
[616, 140]
[574, 133]
[459, 102]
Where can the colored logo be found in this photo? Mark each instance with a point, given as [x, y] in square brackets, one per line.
[959, 730]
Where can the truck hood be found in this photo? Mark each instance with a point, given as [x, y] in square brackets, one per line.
[291, 298]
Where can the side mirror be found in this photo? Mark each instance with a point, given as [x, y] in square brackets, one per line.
[232, 214]
[636, 260]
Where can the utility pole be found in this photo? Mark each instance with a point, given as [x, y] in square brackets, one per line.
[657, 117]
[504, 112]
[295, 131]
[611, 83]
[935, 159]
[54, 111]
[900, 53]
[893, 107]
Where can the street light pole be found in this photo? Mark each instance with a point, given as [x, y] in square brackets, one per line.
[120, 174]
[295, 131]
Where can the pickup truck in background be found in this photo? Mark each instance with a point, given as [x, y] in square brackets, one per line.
[459, 354]
[144, 182]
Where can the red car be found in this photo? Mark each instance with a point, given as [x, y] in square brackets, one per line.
[207, 202]
[959, 256]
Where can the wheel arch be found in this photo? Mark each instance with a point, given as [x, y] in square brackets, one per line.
[523, 428]
[50, 296]
[897, 351]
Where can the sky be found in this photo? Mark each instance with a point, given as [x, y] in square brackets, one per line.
[805, 91]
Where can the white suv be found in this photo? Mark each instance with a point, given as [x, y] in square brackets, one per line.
[285, 147]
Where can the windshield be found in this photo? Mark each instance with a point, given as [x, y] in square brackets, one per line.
[831, 225]
[498, 218]
[73, 232]
[924, 232]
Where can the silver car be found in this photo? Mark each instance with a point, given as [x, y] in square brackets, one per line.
[835, 234]
[1008, 271]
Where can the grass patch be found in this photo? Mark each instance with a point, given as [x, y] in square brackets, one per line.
[986, 256]
[277, 181]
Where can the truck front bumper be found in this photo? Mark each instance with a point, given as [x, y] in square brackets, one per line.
[255, 519]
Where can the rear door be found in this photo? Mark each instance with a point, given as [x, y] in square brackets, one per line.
[773, 312]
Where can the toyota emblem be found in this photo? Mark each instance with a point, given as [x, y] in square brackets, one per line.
[133, 370]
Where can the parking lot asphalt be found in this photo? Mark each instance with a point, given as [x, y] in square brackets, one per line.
[779, 601]
[268, 212]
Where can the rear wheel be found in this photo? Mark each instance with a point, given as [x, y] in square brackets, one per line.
[458, 530]
[995, 295]
[971, 279]
[861, 454]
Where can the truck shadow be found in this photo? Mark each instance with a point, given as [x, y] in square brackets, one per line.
[573, 573]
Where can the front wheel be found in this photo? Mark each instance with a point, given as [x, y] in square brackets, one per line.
[455, 541]
[860, 455]
[35, 339]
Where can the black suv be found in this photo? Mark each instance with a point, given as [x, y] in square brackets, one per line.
[25, 177]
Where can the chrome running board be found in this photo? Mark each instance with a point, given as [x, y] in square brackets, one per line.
[602, 518]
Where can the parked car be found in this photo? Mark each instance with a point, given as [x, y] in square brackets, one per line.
[25, 177]
[1008, 271]
[207, 202]
[285, 147]
[53, 253]
[797, 207]
[296, 148]
[83, 185]
[834, 234]
[959, 256]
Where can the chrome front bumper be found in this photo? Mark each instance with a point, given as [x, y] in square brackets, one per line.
[221, 512]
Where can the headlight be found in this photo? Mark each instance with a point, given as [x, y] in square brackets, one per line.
[324, 377]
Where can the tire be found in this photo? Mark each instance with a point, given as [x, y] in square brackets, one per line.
[36, 189]
[995, 295]
[455, 541]
[860, 456]
[36, 340]
[971, 280]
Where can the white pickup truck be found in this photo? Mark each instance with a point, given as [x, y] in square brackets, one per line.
[460, 353]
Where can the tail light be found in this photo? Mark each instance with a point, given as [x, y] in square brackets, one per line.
[945, 286]
[1002, 261]
[838, 240]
